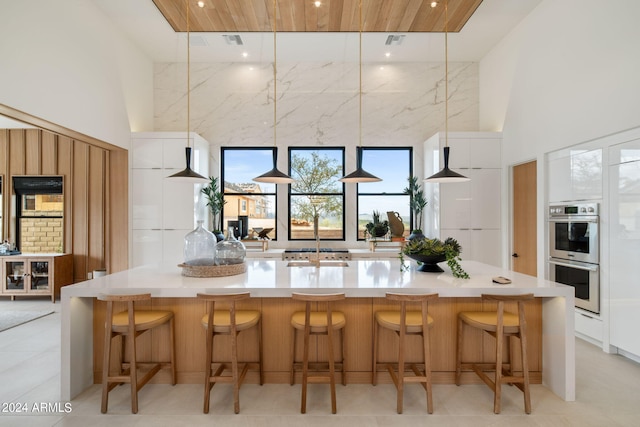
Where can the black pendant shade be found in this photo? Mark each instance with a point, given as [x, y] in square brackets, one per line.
[188, 174]
[359, 175]
[274, 176]
[446, 174]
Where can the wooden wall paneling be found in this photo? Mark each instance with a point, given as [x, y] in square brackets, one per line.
[64, 167]
[4, 169]
[49, 156]
[16, 153]
[117, 227]
[96, 198]
[80, 211]
[33, 152]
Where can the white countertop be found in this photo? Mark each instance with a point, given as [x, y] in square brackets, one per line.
[361, 278]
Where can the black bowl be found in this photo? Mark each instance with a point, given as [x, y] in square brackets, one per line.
[429, 262]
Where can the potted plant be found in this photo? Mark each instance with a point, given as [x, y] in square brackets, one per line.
[215, 202]
[377, 228]
[417, 203]
[429, 252]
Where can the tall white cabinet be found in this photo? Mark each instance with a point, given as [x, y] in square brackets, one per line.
[163, 210]
[470, 211]
[624, 246]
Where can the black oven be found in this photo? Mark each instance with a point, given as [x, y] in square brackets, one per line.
[584, 277]
[573, 232]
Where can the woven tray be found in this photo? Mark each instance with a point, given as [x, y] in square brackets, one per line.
[212, 270]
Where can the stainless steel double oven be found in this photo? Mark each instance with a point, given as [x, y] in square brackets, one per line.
[574, 253]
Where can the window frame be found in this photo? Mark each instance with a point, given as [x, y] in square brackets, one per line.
[222, 181]
[290, 194]
[400, 193]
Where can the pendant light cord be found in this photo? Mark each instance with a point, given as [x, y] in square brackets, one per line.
[446, 74]
[275, 73]
[360, 76]
[188, 77]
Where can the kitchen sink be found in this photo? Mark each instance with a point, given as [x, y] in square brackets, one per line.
[323, 263]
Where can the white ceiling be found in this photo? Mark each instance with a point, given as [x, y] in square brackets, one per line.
[145, 26]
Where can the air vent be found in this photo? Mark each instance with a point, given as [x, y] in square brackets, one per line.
[233, 39]
[394, 39]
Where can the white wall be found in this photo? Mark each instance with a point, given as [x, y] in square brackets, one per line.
[64, 62]
[567, 74]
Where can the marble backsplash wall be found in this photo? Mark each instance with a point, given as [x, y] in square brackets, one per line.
[317, 103]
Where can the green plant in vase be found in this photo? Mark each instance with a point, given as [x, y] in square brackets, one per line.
[417, 203]
[215, 202]
[377, 227]
[429, 252]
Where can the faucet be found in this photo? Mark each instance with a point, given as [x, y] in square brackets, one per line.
[316, 235]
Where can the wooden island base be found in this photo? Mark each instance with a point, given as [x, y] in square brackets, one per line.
[277, 339]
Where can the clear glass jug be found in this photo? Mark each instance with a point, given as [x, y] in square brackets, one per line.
[230, 250]
[199, 246]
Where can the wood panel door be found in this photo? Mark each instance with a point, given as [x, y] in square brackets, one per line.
[524, 251]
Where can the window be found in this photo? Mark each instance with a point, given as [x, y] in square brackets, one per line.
[393, 166]
[245, 199]
[316, 191]
[39, 214]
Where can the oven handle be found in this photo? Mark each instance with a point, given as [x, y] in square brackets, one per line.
[570, 265]
[590, 219]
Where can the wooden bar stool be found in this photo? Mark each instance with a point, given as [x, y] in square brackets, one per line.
[499, 324]
[228, 322]
[404, 323]
[130, 324]
[317, 323]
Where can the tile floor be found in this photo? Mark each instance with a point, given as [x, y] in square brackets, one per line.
[608, 390]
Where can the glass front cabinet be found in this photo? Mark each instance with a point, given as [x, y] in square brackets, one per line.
[36, 274]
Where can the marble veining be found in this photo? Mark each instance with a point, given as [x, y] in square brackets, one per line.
[318, 102]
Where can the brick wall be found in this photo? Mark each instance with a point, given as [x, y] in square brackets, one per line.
[41, 235]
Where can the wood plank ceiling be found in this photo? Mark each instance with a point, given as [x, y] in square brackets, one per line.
[303, 16]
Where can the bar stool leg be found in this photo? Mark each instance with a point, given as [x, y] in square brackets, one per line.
[293, 353]
[400, 385]
[332, 371]
[525, 363]
[427, 367]
[498, 380]
[234, 372]
[106, 359]
[305, 365]
[374, 376]
[133, 371]
[207, 371]
[260, 350]
[344, 358]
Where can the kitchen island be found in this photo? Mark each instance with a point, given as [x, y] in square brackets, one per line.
[365, 282]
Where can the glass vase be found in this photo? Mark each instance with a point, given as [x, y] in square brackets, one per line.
[199, 246]
[230, 250]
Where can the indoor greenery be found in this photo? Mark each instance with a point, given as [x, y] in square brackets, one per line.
[450, 249]
[377, 228]
[417, 202]
[215, 202]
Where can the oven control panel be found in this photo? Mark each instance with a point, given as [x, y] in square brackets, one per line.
[574, 209]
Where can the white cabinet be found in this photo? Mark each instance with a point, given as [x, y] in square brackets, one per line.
[164, 210]
[624, 244]
[575, 174]
[469, 211]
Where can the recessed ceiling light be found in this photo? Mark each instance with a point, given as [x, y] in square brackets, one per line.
[200, 3]
[434, 3]
[382, 67]
[317, 3]
[387, 54]
[245, 54]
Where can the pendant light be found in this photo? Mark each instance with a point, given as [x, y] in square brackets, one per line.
[274, 176]
[360, 175]
[188, 174]
[446, 174]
